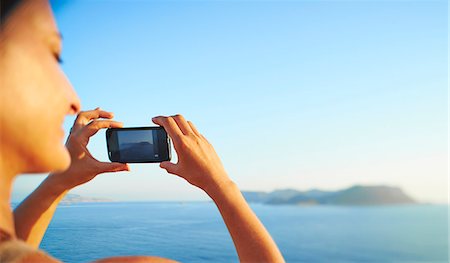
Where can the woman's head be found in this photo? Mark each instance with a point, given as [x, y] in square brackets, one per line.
[35, 94]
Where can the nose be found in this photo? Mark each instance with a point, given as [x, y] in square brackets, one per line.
[75, 104]
[72, 98]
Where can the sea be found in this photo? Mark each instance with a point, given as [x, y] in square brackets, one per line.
[195, 232]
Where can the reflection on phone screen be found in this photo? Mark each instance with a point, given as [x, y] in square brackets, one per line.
[137, 144]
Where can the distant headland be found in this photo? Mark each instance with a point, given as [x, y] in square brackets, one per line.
[75, 199]
[355, 195]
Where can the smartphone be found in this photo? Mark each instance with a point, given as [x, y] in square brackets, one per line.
[138, 145]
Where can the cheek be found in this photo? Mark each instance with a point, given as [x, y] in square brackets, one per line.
[45, 107]
[49, 112]
[35, 107]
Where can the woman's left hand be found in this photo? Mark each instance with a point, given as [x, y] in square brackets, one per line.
[84, 167]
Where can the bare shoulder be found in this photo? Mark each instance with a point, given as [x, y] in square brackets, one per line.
[37, 257]
[17, 251]
[135, 259]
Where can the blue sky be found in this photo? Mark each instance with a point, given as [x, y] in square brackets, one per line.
[292, 94]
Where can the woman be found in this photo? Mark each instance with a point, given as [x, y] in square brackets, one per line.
[36, 96]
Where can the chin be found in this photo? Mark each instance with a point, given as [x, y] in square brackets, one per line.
[62, 162]
[57, 161]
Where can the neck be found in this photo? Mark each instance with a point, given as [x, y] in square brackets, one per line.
[7, 175]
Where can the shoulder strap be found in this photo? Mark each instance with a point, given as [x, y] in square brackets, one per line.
[4, 236]
[16, 251]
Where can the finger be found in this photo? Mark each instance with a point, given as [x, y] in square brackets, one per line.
[169, 167]
[85, 117]
[182, 124]
[94, 126]
[106, 167]
[194, 129]
[170, 126]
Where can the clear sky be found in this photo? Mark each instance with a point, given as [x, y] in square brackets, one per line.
[292, 94]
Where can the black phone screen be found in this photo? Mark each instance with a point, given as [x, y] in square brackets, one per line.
[138, 145]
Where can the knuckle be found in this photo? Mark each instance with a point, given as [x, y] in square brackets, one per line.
[184, 144]
[163, 120]
[95, 125]
[169, 119]
[178, 117]
[197, 140]
[92, 124]
[166, 121]
[193, 135]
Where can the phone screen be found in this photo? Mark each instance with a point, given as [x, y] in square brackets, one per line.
[135, 145]
[138, 145]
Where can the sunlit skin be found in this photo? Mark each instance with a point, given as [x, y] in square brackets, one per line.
[35, 98]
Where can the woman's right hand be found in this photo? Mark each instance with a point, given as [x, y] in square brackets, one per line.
[198, 162]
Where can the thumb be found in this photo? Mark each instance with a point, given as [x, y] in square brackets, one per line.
[113, 167]
[169, 167]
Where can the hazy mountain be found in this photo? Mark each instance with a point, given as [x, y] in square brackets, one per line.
[355, 195]
[368, 195]
[73, 199]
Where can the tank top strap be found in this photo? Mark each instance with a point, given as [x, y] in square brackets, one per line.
[4, 236]
[17, 251]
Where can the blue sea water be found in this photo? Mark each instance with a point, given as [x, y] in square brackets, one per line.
[195, 232]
